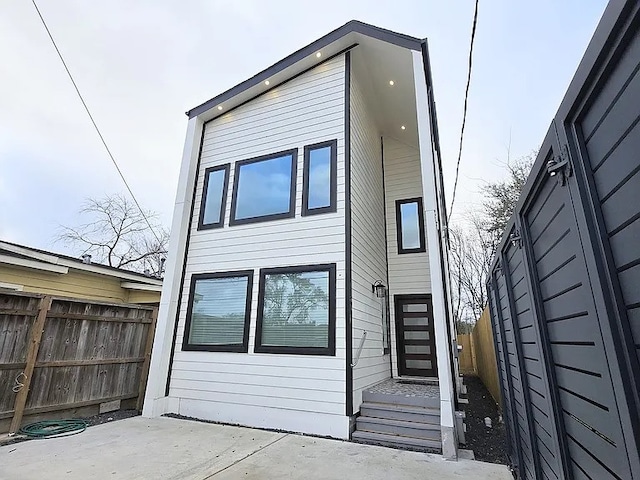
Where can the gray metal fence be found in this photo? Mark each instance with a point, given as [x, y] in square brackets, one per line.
[564, 290]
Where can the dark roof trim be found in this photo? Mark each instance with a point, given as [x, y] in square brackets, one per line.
[279, 84]
[353, 26]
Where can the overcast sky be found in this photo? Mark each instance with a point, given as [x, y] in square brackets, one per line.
[142, 63]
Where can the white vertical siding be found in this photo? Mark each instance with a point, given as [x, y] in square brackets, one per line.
[368, 246]
[295, 392]
[408, 273]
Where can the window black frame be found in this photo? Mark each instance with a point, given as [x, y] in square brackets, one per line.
[240, 348]
[422, 247]
[225, 187]
[292, 199]
[330, 349]
[333, 178]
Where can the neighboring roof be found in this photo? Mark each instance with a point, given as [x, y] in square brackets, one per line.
[353, 26]
[20, 255]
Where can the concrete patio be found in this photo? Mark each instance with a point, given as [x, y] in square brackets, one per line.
[165, 448]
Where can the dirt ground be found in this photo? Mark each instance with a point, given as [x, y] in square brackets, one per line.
[110, 417]
[488, 444]
[98, 419]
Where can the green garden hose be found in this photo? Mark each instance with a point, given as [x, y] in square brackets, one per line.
[54, 428]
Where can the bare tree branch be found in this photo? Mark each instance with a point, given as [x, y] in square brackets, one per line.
[118, 235]
[472, 248]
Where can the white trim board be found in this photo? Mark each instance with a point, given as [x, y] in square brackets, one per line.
[34, 264]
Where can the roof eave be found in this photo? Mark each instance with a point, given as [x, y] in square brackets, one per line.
[353, 26]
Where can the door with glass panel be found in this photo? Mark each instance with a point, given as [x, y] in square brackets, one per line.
[415, 338]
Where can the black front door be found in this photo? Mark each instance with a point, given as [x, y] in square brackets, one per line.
[415, 338]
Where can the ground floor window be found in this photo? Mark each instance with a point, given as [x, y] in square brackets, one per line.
[297, 310]
[218, 312]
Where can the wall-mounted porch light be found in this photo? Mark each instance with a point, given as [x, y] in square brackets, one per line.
[379, 289]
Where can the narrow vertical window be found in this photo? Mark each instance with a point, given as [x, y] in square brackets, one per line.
[214, 194]
[410, 226]
[320, 178]
[386, 324]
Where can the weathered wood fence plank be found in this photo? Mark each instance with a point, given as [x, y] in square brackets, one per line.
[147, 359]
[32, 354]
[77, 354]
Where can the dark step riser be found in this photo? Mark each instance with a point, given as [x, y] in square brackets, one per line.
[375, 439]
[422, 433]
[433, 419]
[400, 400]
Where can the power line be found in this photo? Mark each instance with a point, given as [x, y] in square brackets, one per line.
[464, 111]
[84, 104]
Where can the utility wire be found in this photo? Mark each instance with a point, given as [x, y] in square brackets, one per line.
[464, 111]
[84, 104]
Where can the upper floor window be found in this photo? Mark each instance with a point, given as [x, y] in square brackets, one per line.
[264, 188]
[320, 178]
[410, 225]
[214, 195]
[218, 312]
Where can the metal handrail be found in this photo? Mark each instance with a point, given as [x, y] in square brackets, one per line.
[364, 336]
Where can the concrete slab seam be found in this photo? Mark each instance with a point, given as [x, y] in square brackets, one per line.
[245, 457]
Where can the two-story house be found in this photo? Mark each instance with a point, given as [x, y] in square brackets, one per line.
[307, 264]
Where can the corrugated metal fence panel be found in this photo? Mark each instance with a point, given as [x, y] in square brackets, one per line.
[521, 413]
[532, 363]
[513, 448]
[565, 287]
[610, 130]
[579, 358]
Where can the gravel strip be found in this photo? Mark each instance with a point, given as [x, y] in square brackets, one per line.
[488, 444]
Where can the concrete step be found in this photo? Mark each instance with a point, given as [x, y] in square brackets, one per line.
[424, 431]
[401, 412]
[399, 399]
[397, 441]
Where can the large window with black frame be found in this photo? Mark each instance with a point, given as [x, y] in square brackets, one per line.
[297, 310]
[218, 312]
[264, 188]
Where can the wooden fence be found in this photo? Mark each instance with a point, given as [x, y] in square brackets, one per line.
[478, 355]
[465, 359]
[58, 355]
